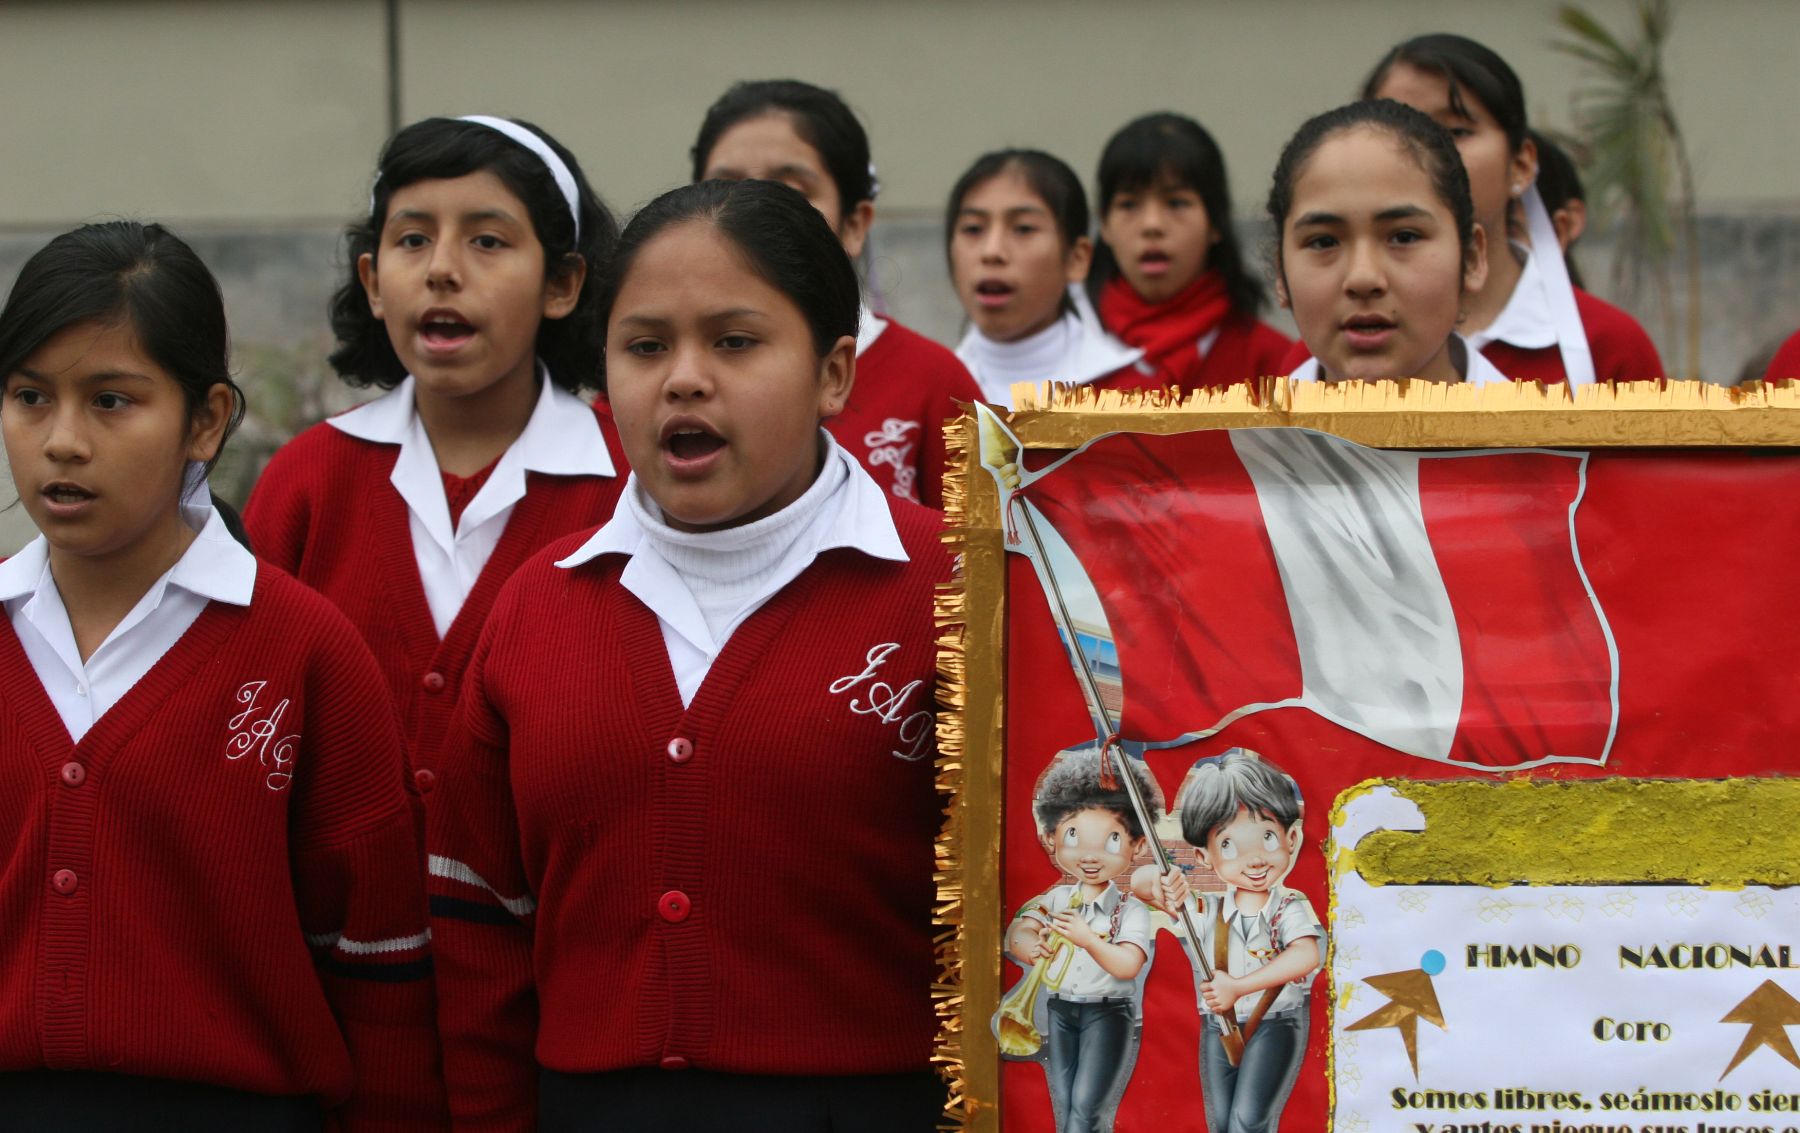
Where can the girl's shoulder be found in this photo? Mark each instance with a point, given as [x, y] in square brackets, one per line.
[1786, 363]
[324, 448]
[924, 362]
[314, 635]
[1621, 347]
[1268, 347]
[921, 528]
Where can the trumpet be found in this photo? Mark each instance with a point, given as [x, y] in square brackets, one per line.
[1015, 1024]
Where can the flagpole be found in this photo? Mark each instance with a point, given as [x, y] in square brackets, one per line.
[1233, 1038]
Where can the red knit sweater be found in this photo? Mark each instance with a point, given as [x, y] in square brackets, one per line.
[1785, 366]
[1247, 348]
[907, 386]
[325, 511]
[743, 885]
[219, 883]
[1622, 351]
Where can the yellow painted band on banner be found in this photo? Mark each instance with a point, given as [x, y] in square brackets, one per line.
[1719, 833]
[1419, 414]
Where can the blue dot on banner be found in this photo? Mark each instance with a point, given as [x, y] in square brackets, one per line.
[1432, 963]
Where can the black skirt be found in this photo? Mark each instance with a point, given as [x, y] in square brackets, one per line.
[82, 1101]
[701, 1101]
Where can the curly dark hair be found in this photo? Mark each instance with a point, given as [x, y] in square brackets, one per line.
[1072, 784]
[447, 148]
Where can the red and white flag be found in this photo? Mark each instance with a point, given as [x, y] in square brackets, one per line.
[1433, 602]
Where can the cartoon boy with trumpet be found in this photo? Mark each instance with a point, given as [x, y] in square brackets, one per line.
[1085, 942]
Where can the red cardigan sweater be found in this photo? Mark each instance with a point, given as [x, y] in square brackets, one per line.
[325, 511]
[220, 882]
[907, 386]
[742, 885]
[1247, 348]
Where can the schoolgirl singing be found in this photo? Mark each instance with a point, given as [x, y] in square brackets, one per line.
[212, 893]
[470, 301]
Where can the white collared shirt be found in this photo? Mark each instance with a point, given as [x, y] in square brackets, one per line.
[1077, 975]
[868, 328]
[1075, 349]
[1526, 321]
[562, 438]
[215, 567]
[855, 514]
[1476, 369]
[1287, 917]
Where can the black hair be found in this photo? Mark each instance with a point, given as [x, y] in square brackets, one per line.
[821, 118]
[781, 236]
[446, 148]
[1559, 182]
[1428, 143]
[1177, 149]
[1465, 65]
[1047, 176]
[120, 272]
[1073, 783]
[1217, 787]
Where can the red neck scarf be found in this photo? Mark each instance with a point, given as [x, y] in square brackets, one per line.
[1167, 331]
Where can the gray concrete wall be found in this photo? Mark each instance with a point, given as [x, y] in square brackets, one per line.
[252, 127]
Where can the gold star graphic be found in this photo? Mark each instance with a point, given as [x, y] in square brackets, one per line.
[1769, 1010]
[1410, 998]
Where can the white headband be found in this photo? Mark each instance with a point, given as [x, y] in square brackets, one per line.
[565, 180]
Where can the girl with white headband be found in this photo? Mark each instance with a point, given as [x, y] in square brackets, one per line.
[470, 300]
[1529, 320]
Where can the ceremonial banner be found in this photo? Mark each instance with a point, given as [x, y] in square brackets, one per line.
[1375, 758]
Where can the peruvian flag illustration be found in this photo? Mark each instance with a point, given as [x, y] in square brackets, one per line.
[1436, 603]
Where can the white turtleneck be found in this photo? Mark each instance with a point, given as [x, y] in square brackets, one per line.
[732, 572]
[703, 585]
[1073, 349]
[1035, 358]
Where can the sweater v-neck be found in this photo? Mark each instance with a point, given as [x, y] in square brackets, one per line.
[653, 683]
[126, 718]
[412, 612]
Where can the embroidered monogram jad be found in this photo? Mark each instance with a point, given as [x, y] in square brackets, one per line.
[893, 445]
[257, 729]
[888, 704]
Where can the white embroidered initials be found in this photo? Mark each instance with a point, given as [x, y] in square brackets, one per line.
[890, 445]
[888, 704]
[254, 732]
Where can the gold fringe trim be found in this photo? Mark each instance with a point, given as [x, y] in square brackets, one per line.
[1419, 414]
[971, 620]
[951, 604]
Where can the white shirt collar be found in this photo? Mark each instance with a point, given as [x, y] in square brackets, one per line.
[863, 521]
[1477, 370]
[561, 438]
[1233, 913]
[215, 566]
[868, 328]
[1526, 320]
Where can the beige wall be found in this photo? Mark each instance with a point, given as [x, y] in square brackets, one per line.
[272, 111]
[186, 110]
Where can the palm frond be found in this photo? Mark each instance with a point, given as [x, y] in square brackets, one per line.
[1640, 181]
